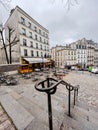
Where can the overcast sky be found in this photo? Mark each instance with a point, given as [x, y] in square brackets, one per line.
[65, 26]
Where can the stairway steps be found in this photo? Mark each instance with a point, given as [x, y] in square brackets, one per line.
[86, 106]
[90, 115]
[41, 114]
[41, 99]
[84, 119]
[36, 125]
[34, 110]
[71, 124]
[20, 117]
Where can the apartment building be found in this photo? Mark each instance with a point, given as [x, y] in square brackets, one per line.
[96, 55]
[54, 55]
[33, 38]
[82, 53]
[66, 57]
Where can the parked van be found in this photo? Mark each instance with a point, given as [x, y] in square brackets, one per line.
[95, 70]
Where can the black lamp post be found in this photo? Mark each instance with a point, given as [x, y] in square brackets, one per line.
[1, 31]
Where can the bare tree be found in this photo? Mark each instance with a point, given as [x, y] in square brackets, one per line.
[67, 3]
[2, 38]
[5, 4]
[11, 41]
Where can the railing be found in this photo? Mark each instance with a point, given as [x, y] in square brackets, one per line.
[50, 88]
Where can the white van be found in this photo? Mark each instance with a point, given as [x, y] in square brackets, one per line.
[95, 70]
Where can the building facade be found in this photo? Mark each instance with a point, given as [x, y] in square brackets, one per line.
[33, 38]
[66, 57]
[82, 53]
[54, 53]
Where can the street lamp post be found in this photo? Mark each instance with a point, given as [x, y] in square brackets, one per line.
[1, 31]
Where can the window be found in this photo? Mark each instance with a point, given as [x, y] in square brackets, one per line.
[23, 31]
[43, 33]
[32, 53]
[47, 42]
[22, 20]
[25, 52]
[46, 35]
[76, 46]
[39, 31]
[24, 42]
[35, 37]
[29, 24]
[31, 43]
[37, 54]
[41, 54]
[41, 47]
[30, 34]
[37, 45]
[40, 39]
[45, 48]
[79, 46]
[44, 41]
[35, 28]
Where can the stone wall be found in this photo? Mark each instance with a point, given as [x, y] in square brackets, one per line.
[9, 68]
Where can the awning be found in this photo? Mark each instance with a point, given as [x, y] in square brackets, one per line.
[36, 60]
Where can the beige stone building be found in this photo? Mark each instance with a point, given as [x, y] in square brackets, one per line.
[82, 53]
[66, 57]
[54, 53]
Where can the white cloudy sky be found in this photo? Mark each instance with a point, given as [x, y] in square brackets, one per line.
[64, 26]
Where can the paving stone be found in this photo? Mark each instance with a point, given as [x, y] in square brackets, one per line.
[6, 124]
[3, 118]
[15, 95]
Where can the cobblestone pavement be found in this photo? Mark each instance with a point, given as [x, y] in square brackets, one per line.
[5, 122]
[88, 92]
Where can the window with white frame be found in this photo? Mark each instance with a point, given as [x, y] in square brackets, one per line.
[31, 44]
[35, 37]
[25, 52]
[37, 45]
[39, 31]
[32, 53]
[29, 24]
[40, 39]
[24, 42]
[23, 31]
[41, 47]
[22, 20]
[35, 28]
[37, 53]
[30, 34]
[41, 54]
